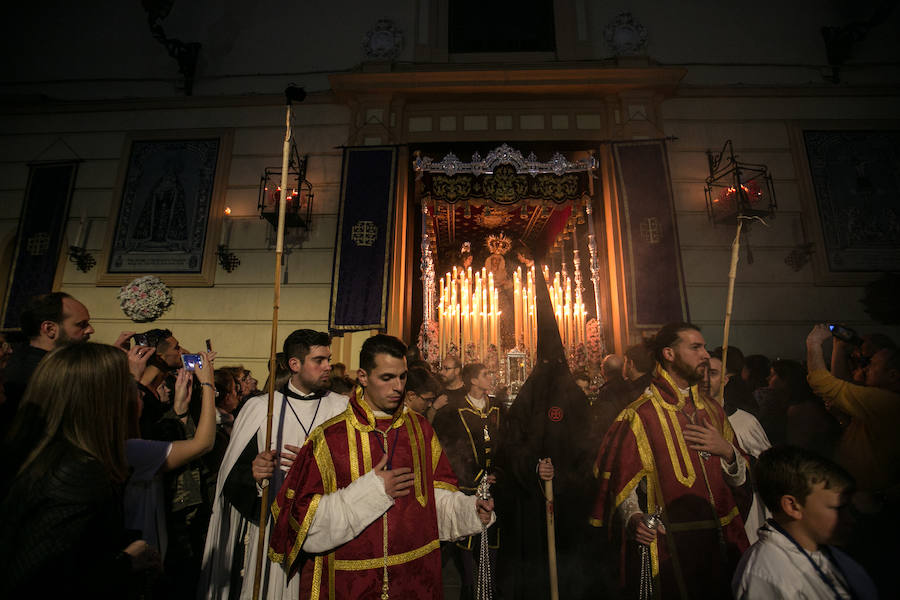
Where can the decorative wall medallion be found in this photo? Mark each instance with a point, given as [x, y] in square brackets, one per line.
[625, 36]
[38, 244]
[650, 230]
[383, 42]
[364, 233]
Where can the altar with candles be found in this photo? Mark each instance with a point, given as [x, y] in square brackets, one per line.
[481, 222]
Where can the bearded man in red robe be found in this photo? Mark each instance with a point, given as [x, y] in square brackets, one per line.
[371, 494]
[672, 451]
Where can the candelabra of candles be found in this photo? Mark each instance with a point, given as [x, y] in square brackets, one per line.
[567, 304]
[469, 314]
[468, 311]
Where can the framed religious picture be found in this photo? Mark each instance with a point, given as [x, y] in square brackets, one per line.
[851, 198]
[168, 207]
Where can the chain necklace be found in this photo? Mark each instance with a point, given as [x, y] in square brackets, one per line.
[484, 414]
[692, 418]
[646, 589]
[384, 519]
[483, 583]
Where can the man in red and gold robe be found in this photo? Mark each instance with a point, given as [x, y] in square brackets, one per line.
[674, 452]
[371, 494]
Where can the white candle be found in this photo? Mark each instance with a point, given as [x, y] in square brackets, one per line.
[226, 222]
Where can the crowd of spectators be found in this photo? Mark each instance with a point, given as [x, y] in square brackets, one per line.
[111, 452]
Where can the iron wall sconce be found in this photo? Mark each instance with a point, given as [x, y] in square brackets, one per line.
[228, 260]
[84, 260]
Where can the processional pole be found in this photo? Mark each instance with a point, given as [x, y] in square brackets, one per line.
[291, 93]
[729, 300]
[551, 539]
[733, 190]
[592, 249]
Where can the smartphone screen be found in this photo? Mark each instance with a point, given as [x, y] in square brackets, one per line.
[192, 362]
[208, 345]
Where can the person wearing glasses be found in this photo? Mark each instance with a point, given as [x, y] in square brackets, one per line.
[451, 374]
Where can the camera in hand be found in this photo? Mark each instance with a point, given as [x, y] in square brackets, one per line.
[140, 339]
[192, 362]
[844, 333]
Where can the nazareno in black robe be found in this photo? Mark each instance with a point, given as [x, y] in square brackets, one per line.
[549, 418]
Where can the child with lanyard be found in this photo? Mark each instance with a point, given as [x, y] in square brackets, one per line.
[808, 496]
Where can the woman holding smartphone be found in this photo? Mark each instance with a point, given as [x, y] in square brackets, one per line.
[64, 470]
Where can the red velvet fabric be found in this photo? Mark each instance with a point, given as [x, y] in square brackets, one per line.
[410, 525]
[705, 531]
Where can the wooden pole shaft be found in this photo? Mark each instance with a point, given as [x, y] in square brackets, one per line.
[279, 250]
[551, 540]
[732, 275]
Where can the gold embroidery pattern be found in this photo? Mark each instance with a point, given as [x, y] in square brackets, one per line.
[289, 494]
[276, 510]
[391, 561]
[686, 476]
[301, 529]
[366, 452]
[331, 576]
[558, 188]
[436, 452]
[417, 447]
[325, 464]
[352, 452]
[317, 579]
[452, 188]
[445, 486]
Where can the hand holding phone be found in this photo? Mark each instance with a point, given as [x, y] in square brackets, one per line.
[845, 334]
[192, 362]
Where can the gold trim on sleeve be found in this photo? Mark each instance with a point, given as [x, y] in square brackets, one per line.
[325, 464]
[302, 530]
[445, 486]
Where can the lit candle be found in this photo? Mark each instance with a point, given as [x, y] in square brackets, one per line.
[495, 309]
[226, 223]
[441, 328]
[570, 329]
[517, 305]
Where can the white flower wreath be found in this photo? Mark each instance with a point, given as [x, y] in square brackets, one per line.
[145, 299]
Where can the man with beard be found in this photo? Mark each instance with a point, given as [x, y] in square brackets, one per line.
[300, 406]
[451, 374]
[49, 321]
[673, 452]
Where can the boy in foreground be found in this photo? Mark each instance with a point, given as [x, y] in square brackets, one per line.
[807, 495]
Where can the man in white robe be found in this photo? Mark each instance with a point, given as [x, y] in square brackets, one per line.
[229, 559]
[750, 435]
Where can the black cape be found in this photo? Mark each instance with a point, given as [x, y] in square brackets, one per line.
[549, 418]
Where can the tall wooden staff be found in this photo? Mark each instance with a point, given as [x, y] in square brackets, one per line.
[732, 274]
[291, 93]
[551, 540]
